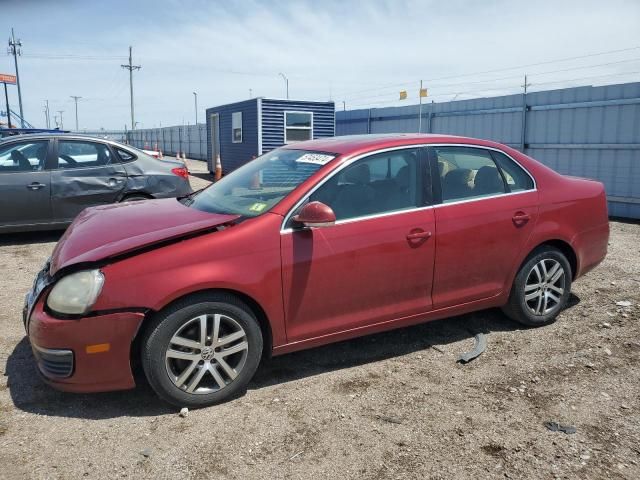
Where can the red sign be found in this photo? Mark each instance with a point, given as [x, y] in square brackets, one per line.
[6, 78]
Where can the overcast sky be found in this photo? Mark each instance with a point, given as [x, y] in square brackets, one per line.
[363, 53]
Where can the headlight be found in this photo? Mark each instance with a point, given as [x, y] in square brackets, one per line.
[76, 293]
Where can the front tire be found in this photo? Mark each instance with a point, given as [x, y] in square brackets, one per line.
[202, 351]
[541, 288]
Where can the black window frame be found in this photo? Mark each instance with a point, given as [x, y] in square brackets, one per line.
[55, 157]
[49, 157]
[423, 179]
[435, 173]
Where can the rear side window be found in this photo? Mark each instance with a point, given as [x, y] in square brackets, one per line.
[467, 173]
[517, 179]
[23, 156]
[124, 155]
[75, 154]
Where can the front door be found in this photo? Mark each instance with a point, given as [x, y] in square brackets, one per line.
[488, 210]
[25, 184]
[376, 263]
[87, 175]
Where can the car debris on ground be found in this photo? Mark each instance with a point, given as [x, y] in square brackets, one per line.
[479, 346]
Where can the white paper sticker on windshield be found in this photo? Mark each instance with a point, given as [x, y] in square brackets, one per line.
[315, 158]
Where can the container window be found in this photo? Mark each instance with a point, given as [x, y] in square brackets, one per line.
[298, 126]
[236, 127]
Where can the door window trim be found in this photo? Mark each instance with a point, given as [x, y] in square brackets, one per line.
[55, 160]
[421, 160]
[433, 158]
[48, 159]
[430, 156]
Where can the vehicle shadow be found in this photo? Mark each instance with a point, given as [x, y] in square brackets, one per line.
[29, 393]
[29, 238]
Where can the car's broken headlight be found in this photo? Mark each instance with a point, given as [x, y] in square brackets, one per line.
[76, 293]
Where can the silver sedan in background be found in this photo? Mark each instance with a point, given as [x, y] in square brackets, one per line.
[48, 179]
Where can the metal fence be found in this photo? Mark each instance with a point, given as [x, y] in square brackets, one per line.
[190, 139]
[589, 132]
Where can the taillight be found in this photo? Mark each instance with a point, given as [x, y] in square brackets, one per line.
[181, 172]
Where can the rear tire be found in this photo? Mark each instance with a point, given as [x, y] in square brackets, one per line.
[541, 288]
[201, 351]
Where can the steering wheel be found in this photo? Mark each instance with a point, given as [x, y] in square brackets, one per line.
[69, 160]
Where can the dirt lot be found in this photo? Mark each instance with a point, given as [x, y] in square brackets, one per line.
[393, 405]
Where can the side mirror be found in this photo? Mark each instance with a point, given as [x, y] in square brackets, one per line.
[315, 214]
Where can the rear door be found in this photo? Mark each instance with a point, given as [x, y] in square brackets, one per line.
[87, 174]
[25, 184]
[488, 208]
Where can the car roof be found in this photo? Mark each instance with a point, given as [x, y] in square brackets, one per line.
[71, 136]
[353, 144]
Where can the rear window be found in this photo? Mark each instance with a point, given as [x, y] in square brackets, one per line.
[260, 184]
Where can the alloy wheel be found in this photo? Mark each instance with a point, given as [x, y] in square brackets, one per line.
[544, 287]
[206, 353]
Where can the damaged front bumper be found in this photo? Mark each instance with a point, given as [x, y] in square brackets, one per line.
[90, 354]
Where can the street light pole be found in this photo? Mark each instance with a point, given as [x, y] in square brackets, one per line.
[76, 100]
[61, 124]
[195, 97]
[286, 83]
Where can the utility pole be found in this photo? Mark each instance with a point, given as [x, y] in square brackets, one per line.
[131, 67]
[195, 96]
[46, 111]
[15, 50]
[344, 106]
[286, 83]
[75, 97]
[6, 101]
[523, 133]
[61, 124]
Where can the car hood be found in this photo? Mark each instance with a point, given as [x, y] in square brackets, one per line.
[99, 233]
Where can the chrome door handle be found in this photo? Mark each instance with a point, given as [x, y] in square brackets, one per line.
[35, 186]
[418, 235]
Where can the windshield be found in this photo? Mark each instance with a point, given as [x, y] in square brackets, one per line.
[257, 186]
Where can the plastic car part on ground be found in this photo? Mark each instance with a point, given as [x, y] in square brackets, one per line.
[556, 427]
[479, 346]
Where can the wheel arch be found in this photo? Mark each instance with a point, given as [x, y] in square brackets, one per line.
[135, 193]
[562, 245]
[256, 309]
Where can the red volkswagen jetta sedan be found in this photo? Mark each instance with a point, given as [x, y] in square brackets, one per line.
[309, 244]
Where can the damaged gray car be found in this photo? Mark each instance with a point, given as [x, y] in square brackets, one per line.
[47, 180]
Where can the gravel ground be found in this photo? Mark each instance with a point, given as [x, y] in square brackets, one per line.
[392, 405]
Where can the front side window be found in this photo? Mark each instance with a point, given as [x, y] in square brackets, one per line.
[77, 154]
[23, 156]
[467, 173]
[298, 126]
[258, 185]
[236, 127]
[381, 183]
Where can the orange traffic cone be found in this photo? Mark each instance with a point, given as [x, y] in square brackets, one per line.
[218, 168]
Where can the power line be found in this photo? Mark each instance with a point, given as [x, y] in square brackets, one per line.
[501, 87]
[490, 80]
[500, 69]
